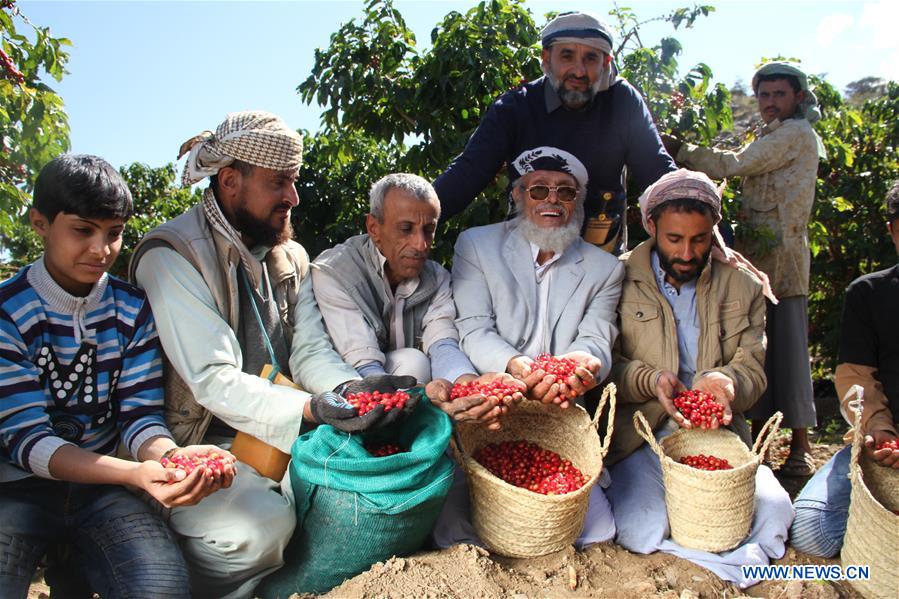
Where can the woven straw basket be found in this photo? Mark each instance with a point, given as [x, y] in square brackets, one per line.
[516, 522]
[709, 510]
[872, 532]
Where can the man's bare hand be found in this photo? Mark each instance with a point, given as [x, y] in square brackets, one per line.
[584, 377]
[541, 386]
[472, 408]
[667, 387]
[721, 387]
[885, 457]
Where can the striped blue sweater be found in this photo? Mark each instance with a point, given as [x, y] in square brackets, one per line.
[86, 371]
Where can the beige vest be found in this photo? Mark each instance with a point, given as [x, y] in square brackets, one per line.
[217, 259]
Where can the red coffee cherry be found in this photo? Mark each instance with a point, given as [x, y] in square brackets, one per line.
[11, 72]
[495, 389]
[705, 462]
[699, 408]
[561, 367]
[211, 461]
[529, 466]
[366, 402]
[891, 444]
[382, 450]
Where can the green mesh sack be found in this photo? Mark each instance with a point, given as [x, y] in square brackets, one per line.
[354, 509]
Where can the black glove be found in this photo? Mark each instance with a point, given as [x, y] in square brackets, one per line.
[332, 408]
[387, 383]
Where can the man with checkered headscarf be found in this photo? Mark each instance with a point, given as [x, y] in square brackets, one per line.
[581, 106]
[229, 291]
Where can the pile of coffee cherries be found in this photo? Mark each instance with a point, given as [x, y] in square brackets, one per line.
[212, 461]
[366, 402]
[495, 389]
[699, 407]
[382, 450]
[561, 367]
[891, 444]
[529, 466]
[706, 462]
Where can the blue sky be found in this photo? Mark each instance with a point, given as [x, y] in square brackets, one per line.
[146, 76]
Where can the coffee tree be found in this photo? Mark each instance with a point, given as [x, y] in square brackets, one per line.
[34, 127]
[847, 233]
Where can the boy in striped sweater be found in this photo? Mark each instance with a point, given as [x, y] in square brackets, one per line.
[81, 372]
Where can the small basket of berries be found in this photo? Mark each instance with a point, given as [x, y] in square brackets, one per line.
[873, 525]
[709, 476]
[530, 481]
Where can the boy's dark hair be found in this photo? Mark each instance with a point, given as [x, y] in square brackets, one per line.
[791, 79]
[892, 202]
[244, 168]
[84, 185]
[682, 205]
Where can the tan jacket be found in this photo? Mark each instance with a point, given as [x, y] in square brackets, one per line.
[731, 311]
[779, 170]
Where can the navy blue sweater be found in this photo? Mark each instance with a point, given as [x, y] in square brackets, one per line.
[614, 131]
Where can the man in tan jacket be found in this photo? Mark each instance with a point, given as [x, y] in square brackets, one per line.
[779, 170]
[686, 321]
[691, 316]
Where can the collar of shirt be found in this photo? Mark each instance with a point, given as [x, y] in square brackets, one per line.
[550, 96]
[771, 127]
[665, 286]
[405, 288]
[540, 269]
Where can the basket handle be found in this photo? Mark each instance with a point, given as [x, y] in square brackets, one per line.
[766, 435]
[857, 405]
[645, 431]
[608, 395]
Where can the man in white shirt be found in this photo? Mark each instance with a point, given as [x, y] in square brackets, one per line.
[228, 290]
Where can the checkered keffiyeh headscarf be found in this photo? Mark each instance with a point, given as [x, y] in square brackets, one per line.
[687, 184]
[255, 137]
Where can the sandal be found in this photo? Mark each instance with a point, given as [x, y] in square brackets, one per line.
[798, 465]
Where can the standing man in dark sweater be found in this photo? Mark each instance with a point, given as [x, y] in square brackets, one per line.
[580, 106]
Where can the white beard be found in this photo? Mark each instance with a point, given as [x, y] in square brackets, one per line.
[551, 239]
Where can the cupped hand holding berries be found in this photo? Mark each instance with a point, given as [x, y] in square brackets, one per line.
[187, 475]
[584, 377]
[721, 387]
[461, 409]
[668, 386]
[883, 446]
[482, 398]
[541, 386]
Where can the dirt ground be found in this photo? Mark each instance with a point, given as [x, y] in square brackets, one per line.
[604, 570]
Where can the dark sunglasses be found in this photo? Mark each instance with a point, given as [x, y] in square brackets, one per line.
[564, 193]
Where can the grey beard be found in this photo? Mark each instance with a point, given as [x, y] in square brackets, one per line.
[555, 239]
[572, 99]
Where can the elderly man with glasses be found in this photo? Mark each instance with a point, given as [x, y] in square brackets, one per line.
[530, 286]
